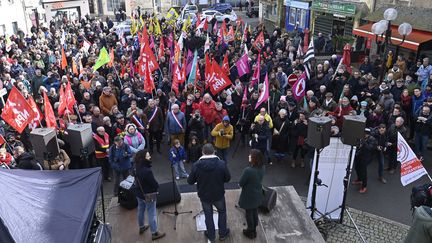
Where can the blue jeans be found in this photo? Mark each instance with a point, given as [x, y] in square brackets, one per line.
[151, 211]
[179, 169]
[222, 221]
[421, 142]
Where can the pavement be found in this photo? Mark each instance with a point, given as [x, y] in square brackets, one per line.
[383, 213]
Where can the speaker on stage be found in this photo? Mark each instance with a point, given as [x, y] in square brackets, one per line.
[353, 129]
[319, 130]
[79, 137]
[269, 201]
[45, 144]
[166, 195]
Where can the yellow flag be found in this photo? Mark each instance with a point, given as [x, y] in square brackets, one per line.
[142, 22]
[172, 14]
[157, 27]
[133, 28]
[186, 24]
[151, 27]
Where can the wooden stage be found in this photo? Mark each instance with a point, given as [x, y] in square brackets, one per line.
[287, 222]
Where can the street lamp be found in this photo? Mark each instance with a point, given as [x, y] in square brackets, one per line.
[383, 27]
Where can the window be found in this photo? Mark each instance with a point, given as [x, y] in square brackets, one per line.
[15, 27]
[302, 18]
[292, 16]
[2, 29]
[112, 5]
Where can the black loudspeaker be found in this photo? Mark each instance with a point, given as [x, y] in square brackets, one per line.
[127, 198]
[319, 130]
[353, 129]
[166, 195]
[269, 201]
[44, 141]
[79, 137]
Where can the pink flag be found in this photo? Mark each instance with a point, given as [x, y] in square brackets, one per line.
[189, 61]
[256, 75]
[264, 92]
[243, 65]
[299, 87]
[347, 57]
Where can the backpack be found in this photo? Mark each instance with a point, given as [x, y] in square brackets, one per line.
[421, 196]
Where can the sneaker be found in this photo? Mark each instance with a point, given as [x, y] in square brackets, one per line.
[223, 237]
[157, 235]
[293, 165]
[363, 190]
[392, 171]
[177, 178]
[142, 229]
[384, 181]
[302, 164]
[249, 234]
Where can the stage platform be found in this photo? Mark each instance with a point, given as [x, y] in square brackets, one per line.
[287, 222]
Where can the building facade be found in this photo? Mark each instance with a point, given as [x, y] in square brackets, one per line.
[19, 15]
[73, 9]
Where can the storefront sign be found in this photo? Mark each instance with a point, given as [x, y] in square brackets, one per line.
[334, 7]
[296, 4]
[57, 5]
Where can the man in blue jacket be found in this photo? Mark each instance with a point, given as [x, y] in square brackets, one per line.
[210, 173]
[176, 124]
[120, 156]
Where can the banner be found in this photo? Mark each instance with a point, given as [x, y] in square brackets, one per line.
[219, 80]
[17, 112]
[264, 92]
[411, 167]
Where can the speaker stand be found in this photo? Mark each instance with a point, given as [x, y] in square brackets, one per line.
[175, 213]
[312, 207]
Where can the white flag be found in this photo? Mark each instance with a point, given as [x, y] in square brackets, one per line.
[207, 44]
[411, 167]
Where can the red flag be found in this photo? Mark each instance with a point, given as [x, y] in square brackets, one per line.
[70, 98]
[176, 78]
[230, 35]
[38, 114]
[148, 80]
[2, 140]
[111, 54]
[62, 102]
[198, 74]
[144, 41]
[215, 28]
[183, 71]
[63, 60]
[299, 87]
[244, 99]
[161, 51]
[74, 67]
[225, 65]
[257, 73]
[205, 27]
[347, 57]
[218, 81]
[49, 112]
[208, 70]
[148, 56]
[259, 41]
[17, 112]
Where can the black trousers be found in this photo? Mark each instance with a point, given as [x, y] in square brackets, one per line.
[361, 169]
[392, 157]
[103, 162]
[155, 136]
[252, 219]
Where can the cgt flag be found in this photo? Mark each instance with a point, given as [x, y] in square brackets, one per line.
[299, 87]
[17, 112]
[264, 96]
[219, 80]
[411, 167]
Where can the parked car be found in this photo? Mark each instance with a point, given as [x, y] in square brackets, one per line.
[231, 16]
[124, 27]
[190, 8]
[184, 16]
[221, 7]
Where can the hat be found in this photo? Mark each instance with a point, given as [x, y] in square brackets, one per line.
[98, 83]
[329, 94]
[291, 103]
[119, 116]
[363, 103]
[226, 118]
[354, 98]
[367, 131]
[314, 100]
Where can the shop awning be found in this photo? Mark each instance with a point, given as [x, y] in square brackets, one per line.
[412, 41]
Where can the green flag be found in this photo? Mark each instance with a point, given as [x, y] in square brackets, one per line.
[103, 59]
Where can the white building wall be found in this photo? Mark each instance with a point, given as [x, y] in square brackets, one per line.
[13, 11]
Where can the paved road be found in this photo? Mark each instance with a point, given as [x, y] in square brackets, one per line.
[389, 200]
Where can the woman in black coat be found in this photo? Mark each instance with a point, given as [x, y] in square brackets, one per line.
[252, 195]
[280, 134]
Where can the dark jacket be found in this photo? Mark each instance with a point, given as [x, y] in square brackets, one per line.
[210, 173]
[421, 230]
[26, 161]
[250, 181]
[120, 158]
[263, 132]
[148, 182]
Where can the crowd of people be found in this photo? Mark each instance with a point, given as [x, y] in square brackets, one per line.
[126, 119]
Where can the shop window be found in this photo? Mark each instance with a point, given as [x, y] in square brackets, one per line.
[115, 4]
[292, 16]
[302, 19]
[15, 27]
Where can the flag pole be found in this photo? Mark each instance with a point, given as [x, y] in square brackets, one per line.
[77, 111]
[118, 77]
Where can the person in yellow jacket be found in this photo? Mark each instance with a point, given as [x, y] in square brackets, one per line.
[266, 116]
[223, 133]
